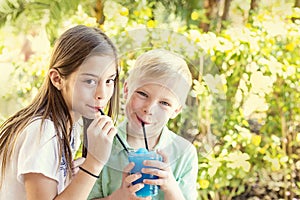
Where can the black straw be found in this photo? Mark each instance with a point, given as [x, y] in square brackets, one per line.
[145, 137]
[122, 143]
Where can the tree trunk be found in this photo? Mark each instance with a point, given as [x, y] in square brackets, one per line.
[226, 10]
[225, 15]
[209, 7]
[297, 5]
[253, 5]
[99, 11]
[253, 8]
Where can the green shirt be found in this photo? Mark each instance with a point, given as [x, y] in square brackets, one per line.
[182, 157]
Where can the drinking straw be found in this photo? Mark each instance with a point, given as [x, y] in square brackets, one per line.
[145, 137]
[122, 143]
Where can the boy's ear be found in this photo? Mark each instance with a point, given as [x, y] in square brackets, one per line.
[125, 90]
[56, 79]
[176, 112]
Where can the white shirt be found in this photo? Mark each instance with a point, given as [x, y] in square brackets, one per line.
[36, 151]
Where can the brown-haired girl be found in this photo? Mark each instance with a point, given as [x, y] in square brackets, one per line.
[38, 143]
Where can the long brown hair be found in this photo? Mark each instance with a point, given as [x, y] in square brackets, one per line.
[70, 50]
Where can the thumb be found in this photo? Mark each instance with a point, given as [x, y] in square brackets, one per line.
[127, 169]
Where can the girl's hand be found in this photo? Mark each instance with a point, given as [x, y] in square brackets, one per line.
[100, 136]
[165, 180]
[127, 190]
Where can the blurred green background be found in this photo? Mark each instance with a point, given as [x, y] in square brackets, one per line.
[243, 113]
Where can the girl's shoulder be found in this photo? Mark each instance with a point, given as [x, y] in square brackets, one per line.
[44, 130]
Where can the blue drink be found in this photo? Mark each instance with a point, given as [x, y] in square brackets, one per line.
[138, 157]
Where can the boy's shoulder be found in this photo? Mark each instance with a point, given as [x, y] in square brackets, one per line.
[171, 140]
[174, 136]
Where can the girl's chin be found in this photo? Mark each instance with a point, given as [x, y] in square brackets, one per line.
[89, 116]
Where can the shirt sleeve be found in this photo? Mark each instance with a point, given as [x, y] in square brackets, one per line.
[188, 178]
[97, 189]
[38, 152]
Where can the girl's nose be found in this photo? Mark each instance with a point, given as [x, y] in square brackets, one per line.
[100, 91]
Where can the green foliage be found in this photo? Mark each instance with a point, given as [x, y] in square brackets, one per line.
[53, 12]
[243, 113]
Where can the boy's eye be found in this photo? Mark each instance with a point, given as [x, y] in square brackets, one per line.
[142, 93]
[165, 103]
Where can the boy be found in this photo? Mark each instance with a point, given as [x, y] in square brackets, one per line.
[155, 91]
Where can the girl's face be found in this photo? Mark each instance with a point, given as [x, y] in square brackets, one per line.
[152, 104]
[90, 88]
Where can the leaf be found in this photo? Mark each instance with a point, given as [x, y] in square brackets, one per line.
[238, 160]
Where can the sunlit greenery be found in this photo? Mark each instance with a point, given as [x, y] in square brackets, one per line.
[243, 113]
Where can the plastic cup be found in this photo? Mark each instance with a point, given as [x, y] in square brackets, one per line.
[138, 157]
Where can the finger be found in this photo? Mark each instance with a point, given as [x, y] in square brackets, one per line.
[75, 170]
[111, 134]
[136, 187]
[163, 155]
[154, 181]
[96, 126]
[155, 172]
[78, 161]
[127, 170]
[133, 177]
[104, 122]
[155, 163]
[107, 126]
[128, 167]
[95, 121]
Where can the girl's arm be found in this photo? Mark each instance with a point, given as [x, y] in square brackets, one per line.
[38, 186]
[100, 136]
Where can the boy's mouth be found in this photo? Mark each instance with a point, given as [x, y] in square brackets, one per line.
[142, 121]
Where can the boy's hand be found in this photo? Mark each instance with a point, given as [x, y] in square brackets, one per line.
[165, 180]
[127, 190]
[75, 165]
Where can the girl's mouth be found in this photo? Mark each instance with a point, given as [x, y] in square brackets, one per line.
[96, 108]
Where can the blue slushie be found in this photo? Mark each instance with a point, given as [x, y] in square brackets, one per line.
[138, 157]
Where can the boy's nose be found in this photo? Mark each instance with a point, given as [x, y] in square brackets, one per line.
[149, 107]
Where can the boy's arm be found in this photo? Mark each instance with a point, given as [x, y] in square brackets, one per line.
[181, 186]
[126, 190]
[188, 181]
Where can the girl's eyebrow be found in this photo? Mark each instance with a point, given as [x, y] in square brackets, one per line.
[96, 76]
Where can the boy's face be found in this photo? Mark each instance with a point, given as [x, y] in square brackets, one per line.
[152, 104]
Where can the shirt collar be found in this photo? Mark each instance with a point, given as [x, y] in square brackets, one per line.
[164, 139]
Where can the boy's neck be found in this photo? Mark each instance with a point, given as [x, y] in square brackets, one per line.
[138, 142]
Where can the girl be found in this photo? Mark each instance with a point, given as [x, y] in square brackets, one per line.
[37, 144]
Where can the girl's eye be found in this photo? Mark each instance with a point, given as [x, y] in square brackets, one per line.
[111, 81]
[91, 82]
[142, 93]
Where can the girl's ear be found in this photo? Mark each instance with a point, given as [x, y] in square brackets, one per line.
[125, 90]
[176, 112]
[56, 79]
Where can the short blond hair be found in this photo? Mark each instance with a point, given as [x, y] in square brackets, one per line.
[162, 67]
